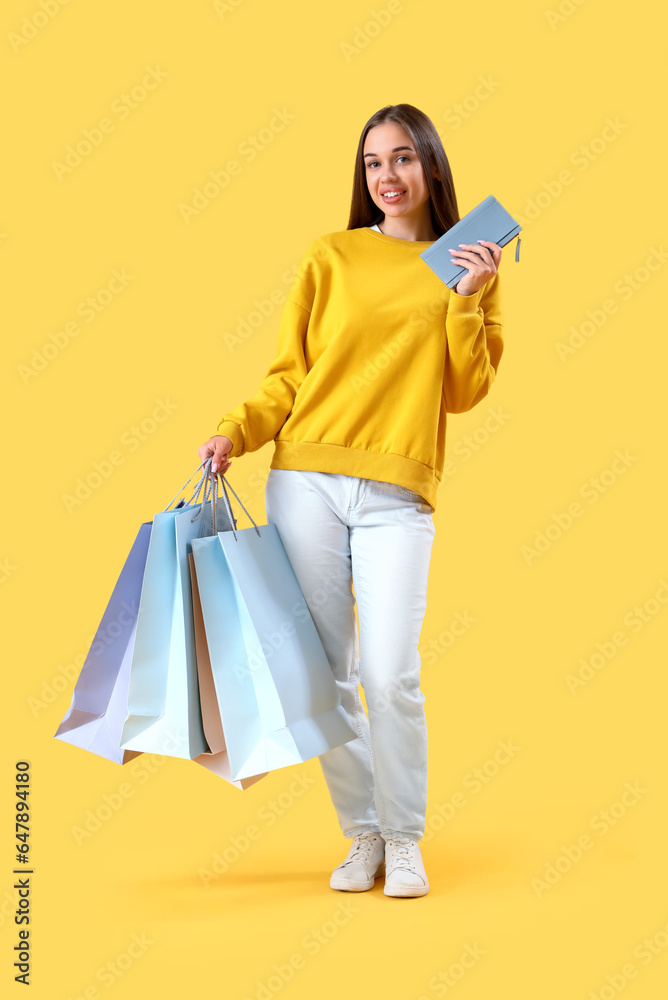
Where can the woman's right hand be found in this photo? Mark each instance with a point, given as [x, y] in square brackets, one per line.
[219, 446]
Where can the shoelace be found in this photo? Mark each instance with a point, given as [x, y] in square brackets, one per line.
[362, 847]
[399, 853]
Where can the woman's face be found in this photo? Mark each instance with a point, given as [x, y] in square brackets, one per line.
[394, 166]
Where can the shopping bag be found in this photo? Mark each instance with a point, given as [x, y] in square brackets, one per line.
[95, 717]
[163, 712]
[217, 760]
[276, 693]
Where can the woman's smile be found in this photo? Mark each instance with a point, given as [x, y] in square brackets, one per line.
[393, 195]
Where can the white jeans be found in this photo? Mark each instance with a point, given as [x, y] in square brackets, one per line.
[339, 530]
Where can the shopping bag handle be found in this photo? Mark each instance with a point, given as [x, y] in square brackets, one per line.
[207, 493]
[197, 488]
[228, 508]
[202, 468]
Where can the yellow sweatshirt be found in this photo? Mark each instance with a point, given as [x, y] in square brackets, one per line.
[374, 351]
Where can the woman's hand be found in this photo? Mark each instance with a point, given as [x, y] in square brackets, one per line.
[482, 261]
[219, 446]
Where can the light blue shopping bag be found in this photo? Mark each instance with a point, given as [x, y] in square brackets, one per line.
[217, 760]
[163, 706]
[277, 697]
[96, 715]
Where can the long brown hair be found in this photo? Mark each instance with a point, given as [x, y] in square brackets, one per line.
[442, 200]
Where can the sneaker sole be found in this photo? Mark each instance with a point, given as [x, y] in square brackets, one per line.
[408, 890]
[350, 886]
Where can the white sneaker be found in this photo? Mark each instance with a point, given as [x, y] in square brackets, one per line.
[405, 874]
[364, 863]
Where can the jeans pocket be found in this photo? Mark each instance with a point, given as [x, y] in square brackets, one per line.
[409, 494]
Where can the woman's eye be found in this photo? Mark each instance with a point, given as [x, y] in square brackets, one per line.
[402, 157]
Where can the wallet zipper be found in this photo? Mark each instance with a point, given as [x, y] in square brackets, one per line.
[517, 249]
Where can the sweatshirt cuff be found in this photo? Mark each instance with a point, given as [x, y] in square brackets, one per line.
[461, 304]
[232, 430]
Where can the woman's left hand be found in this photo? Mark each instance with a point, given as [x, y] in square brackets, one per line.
[482, 259]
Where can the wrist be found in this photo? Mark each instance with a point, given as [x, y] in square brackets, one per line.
[461, 289]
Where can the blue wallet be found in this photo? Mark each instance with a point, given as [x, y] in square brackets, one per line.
[487, 221]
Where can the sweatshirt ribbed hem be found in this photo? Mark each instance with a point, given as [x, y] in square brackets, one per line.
[317, 456]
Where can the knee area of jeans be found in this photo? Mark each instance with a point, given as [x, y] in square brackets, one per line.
[381, 698]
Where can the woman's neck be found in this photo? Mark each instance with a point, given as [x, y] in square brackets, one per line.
[407, 229]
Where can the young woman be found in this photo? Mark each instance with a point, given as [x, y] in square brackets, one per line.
[374, 351]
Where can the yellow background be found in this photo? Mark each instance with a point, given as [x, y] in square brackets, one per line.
[557, 81]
